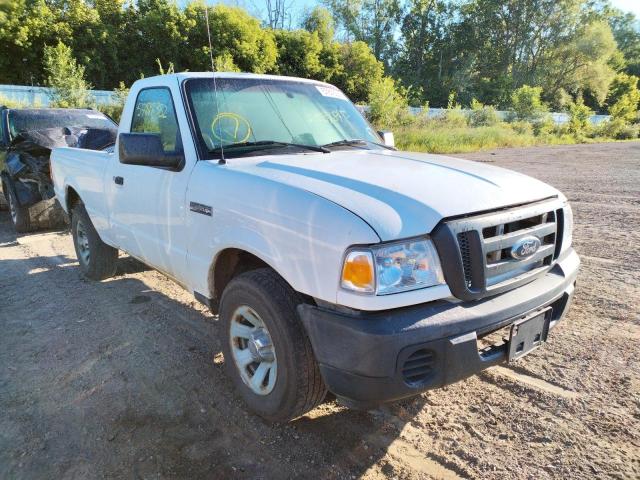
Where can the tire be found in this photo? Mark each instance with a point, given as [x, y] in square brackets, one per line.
[97, 259]
[297, 385]
[19, 214]
[3, 200]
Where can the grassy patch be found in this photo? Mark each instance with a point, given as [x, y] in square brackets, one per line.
[440, 137]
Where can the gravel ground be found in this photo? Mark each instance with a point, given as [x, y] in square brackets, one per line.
[124, 378]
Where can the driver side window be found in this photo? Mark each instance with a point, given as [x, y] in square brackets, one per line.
[154, 113]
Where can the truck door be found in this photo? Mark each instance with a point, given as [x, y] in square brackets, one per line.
[147, 211]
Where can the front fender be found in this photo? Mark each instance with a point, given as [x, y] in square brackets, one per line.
[300, 235]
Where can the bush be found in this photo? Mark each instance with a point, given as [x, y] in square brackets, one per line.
[628, 132]
[624, 97]
[544, 126]
[626, 108]
[579, 117]
[454, 118]
[522, 127]
[482, 115]
[526, 104]
[8, 102]
[616, 129]
[387, 104]
[114, 109]
[66, 78]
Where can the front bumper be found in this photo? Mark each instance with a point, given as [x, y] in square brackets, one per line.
[363, 355]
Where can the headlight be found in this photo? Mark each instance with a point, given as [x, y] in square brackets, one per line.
[567, 234]
[393, 267]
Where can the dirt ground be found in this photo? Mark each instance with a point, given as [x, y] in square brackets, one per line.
[124, 378]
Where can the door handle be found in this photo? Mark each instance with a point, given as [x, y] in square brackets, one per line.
[118, 180]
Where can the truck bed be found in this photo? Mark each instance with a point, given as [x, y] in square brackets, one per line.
[82, 170]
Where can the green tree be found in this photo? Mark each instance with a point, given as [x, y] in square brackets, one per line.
[153, 29]
[299, 53]
[371, 21]
[427, 63]
[25, 28]
[625, 107]
[233, 32]
[224, 63]
[66, 78]
[621, 85]
[506, 43]
[626, 31]
[361, 71]
[320, 21]
[582, 64]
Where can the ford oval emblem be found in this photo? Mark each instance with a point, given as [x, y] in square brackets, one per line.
[525, 247]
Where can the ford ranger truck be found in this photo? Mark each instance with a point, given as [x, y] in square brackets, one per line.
[333, 261]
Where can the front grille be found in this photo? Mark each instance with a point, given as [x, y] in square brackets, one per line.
[418, 366]
[478, 255]
[498, 241]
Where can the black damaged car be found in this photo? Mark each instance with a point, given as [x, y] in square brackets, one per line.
[27, 137]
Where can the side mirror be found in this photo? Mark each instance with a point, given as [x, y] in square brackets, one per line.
[146, 149]
[387, 138]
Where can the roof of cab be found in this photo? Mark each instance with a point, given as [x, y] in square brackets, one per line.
[187, 75]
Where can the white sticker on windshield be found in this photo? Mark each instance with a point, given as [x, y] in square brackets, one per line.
[331, 92]
[93, 115]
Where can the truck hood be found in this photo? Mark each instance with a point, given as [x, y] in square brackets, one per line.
[399, 194]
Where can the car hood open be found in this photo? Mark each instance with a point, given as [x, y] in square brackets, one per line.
[400, 194]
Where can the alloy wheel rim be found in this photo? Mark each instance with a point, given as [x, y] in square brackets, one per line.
[253, 352]
[84, 252]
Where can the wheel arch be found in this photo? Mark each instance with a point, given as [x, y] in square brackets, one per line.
[228, 264]
[71, 198]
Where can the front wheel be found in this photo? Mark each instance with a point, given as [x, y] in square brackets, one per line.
[97, 259]
[19, 214]
[267, 353]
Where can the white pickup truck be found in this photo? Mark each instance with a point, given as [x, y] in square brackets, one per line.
[334, 261]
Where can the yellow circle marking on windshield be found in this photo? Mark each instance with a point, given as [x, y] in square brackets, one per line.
[231, 136]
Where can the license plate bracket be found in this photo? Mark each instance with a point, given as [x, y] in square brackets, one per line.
[528, 333]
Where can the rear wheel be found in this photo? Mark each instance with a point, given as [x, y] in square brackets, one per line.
[19, 214]
[97, 259]
[267, 353]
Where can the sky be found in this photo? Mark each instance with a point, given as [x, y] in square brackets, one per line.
[628, 6]
[257, 7]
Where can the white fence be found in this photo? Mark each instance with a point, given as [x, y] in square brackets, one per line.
[39, 96]
[558, 117]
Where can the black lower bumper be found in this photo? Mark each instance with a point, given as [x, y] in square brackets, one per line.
[367, 358]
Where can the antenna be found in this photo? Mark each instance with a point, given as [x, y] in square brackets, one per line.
[215, 86]
[206, 17]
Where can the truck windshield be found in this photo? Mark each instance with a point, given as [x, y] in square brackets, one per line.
[262, 114]
[43, 118]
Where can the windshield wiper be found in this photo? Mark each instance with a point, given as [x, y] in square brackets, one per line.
[272, 143]
[355, 141]
[346, 142]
